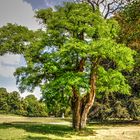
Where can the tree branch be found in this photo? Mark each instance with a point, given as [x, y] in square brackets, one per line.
[108, 6]
[92, 4]
[108, 9]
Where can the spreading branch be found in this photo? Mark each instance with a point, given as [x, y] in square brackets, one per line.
[107, 7]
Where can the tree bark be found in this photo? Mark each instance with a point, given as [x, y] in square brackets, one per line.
[80, 113]
[85, 113]
[81, 107]
[90, 100]
[76, 104]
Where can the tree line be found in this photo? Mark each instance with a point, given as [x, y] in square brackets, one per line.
[13, 103]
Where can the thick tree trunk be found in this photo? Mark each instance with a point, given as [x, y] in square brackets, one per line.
[81, 107]
[79, 113]
[85, 112]
[76, 104]
[76, 118]
[90, 99]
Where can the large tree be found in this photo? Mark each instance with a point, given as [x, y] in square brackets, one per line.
[129, 20]
[70, 58]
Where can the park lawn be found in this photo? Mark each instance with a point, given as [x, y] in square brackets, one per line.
[20, 119]
[58, 129]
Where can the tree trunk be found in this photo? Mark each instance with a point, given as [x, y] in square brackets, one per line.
[76, 118]
[81, 107]
[85, 112]
[79, 113]
[89, 99]
[75, 105]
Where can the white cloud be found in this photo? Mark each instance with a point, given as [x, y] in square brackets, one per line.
[19, 12]
[36, 93]
[8, 64]
[10, 59]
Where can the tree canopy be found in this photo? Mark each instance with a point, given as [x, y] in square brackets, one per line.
[129, 20]
[70, 58]
[16, 39]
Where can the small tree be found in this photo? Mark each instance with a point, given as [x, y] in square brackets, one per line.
[70, 58]
[34, 107]
[14, 101]
[4, 107]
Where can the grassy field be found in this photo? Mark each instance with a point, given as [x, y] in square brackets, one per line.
[24, 128]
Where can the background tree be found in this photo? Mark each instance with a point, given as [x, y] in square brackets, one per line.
[35, 108]
[23, 108]
[14, 104]
[110, 106]
[4, 107]
[128, 19]
[70, 57]
[129, 22]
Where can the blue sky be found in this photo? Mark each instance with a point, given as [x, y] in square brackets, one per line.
[20, 12]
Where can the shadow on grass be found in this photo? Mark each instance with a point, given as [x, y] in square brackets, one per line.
[115, 123]
[38, 138]
[44, 129]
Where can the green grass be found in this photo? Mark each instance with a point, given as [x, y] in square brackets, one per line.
[41, 132]
[21, 119]
[22, 128]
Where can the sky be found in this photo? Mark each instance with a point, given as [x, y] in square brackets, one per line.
[20, 12]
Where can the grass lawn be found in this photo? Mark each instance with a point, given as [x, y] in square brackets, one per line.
[22, 128]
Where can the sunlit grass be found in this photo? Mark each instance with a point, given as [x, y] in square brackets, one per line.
[21, 119]
[35, 129]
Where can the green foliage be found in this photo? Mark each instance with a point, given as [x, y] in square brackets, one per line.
[125, 106]
[14, 104]
[112, 81]
[57, 104]
[35, 108]
[3, 100]
[130, 34]
[13, 38]
[129, 20]
[120, 111]
[134, 107]
[111, 106]
[64, 48]
[76, 43]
